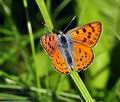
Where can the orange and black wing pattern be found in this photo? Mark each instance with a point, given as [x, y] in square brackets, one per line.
[59, 62]
[82, 56]
[87, 35]
[49, 43]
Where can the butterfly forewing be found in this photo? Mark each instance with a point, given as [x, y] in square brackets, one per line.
[87, 35]
[82, 56]
[49, 43]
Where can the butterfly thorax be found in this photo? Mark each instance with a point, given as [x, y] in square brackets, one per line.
[64, 42]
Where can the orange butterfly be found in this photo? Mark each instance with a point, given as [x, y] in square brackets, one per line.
[72, 50]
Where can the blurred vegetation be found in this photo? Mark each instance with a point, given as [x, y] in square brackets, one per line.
[19, 63]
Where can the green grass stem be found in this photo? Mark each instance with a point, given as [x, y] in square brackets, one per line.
[38, 85]
[78, 81]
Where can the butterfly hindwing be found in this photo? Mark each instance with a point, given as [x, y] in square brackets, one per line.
[49, 43]
[87, 35]
[59, 62]
[82, 56]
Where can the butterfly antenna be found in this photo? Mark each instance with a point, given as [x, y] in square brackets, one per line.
[69, 23]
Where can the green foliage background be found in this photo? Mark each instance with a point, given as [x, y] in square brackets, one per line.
[26, 73]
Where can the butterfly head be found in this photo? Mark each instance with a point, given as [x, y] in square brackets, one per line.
[62, 39]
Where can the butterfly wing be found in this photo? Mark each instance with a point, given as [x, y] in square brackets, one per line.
[82, 56]
[49, 43]
[59, 62]
[87, 34]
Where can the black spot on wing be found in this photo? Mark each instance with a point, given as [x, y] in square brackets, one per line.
[89, 33]
[84, 40]
[89, 36]
[84, 30]
[77, 32]
[50, 38]
[93, 29]
[79, 50]
[80, 59]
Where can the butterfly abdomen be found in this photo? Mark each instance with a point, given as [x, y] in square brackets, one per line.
[69, 58]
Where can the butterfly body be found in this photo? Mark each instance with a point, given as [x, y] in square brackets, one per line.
[72, 50]
[65, 46]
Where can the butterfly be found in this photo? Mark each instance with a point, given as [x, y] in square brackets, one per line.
[73, 49]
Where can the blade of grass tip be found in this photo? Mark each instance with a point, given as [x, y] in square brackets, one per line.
[32, 45]
[44, 12]
[78, 81]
